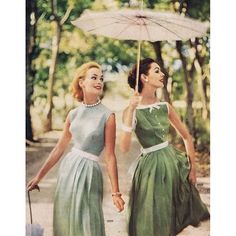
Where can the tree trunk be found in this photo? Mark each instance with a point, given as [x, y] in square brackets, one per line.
[204, 87]
[203, 81]
[30, 52]
[157, 48]
[52, 70]
[189, 86]
[57, 27]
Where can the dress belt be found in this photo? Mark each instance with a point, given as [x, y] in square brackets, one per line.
[154, 148]
[84, 154]
[145, 151]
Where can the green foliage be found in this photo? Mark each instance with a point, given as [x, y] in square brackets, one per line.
[199, 10]
[116, 56]
[202, 134]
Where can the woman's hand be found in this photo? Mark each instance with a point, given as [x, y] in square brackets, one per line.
[134, 101]
[118, 202]
[192, 176]
[33, 184]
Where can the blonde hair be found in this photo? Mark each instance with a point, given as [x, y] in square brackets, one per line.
[75, 88]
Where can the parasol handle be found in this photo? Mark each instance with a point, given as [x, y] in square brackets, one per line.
[138, 60]
[31, 218]
[138, 56]
[141, 7]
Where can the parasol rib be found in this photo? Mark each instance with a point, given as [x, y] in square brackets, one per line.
[174, 23]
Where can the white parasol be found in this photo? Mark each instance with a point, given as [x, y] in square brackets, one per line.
[128, 24]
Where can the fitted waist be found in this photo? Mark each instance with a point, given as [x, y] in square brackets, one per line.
[155, 147]
[84, 154]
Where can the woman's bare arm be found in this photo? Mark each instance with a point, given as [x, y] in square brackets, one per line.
[187, 138]
[127, 120]
[54, 155]
[110, 158]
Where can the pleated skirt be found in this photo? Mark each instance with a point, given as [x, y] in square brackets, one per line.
[162, 201]
[78, 198]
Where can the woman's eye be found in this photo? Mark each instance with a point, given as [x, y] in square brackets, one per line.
[93, 77]
[101, 79]
[157, 71]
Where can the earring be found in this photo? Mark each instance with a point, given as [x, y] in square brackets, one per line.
[146, 80]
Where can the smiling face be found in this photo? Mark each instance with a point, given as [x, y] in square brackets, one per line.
[155, 76]
[93, 82]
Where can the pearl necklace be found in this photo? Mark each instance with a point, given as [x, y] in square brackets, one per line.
[92, 105]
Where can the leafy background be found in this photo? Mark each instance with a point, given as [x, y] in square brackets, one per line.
[55, 48]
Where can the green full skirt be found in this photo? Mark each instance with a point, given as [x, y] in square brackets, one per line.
[162, 201]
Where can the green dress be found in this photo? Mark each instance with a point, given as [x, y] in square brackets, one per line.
[79, 191]
[162, 201]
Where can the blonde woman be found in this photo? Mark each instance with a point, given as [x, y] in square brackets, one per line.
[79, 191]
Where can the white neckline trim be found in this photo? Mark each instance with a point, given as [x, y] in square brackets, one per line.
[150, 105]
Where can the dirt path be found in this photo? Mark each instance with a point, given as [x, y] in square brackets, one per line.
[42, 202]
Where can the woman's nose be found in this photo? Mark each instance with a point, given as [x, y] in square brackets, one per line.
[99, 81]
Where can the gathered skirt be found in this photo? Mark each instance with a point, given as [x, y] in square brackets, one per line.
[78, 198]
[162, 201]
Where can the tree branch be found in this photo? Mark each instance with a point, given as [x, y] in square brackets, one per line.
[66, 16]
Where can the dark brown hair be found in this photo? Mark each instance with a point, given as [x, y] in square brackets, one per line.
[144, 67]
